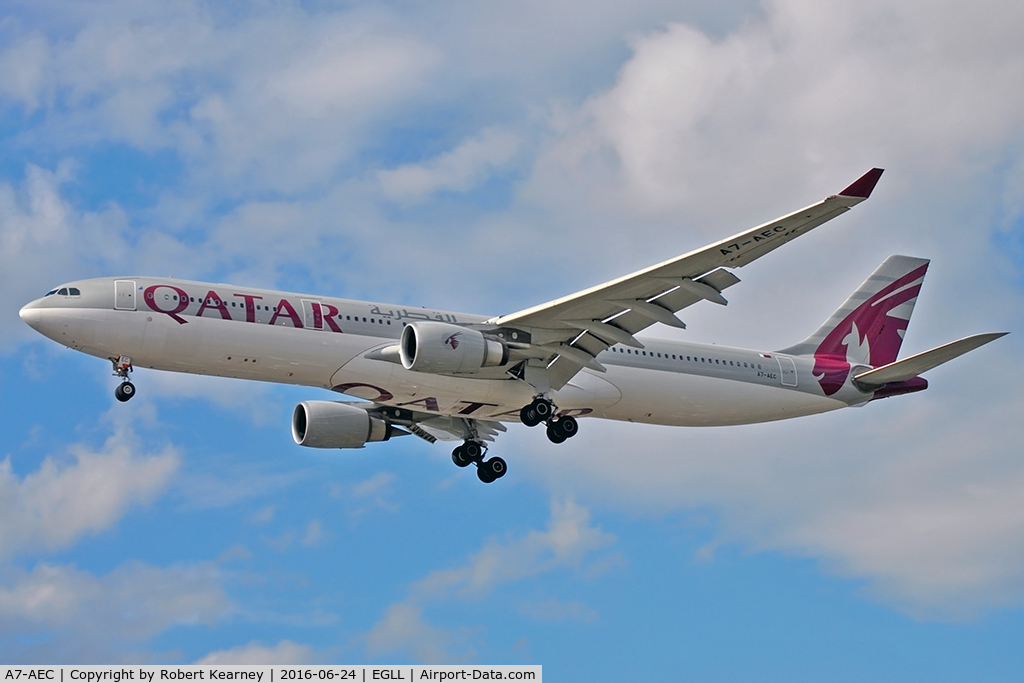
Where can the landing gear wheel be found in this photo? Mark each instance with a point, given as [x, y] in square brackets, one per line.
[543, 407]
[473, 451]
[566, 426]
[492, 469]
[124, 391]
[554, 435]
[529, 416]
[459, 457]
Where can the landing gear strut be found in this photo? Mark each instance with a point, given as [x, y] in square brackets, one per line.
[559, 427]
[473, 452]
[125, 390]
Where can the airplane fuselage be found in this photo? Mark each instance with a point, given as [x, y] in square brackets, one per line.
[245, 333]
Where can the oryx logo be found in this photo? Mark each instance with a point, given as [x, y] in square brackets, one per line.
[870, 335]
[453, 341]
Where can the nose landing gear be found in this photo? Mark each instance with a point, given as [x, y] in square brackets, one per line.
[122, 367]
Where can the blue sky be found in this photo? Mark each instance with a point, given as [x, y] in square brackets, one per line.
[486, 158]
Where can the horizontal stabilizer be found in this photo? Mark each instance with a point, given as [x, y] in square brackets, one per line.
[908, 368]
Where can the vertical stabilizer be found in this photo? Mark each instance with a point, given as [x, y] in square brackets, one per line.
[868, 329]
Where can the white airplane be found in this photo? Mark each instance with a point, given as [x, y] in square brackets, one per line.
[460, 377]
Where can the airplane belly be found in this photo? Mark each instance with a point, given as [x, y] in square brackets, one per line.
[682, 399]
[219, 347]
[498, 399]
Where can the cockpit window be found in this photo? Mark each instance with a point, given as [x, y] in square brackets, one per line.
[65, 291]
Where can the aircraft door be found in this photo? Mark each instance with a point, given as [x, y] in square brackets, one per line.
[787, 370]
[124, 295]
[312, 314]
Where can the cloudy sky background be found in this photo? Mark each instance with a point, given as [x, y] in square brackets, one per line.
[486, 157]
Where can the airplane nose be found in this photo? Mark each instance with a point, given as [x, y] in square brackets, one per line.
[30, 313]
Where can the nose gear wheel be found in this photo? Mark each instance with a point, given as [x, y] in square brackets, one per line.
[122, 368]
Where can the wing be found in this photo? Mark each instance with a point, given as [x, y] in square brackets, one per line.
[566, 334]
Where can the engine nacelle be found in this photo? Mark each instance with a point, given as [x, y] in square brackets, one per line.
[444, 349]
[327, 424]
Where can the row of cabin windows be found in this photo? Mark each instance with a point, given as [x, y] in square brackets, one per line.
[235, 304]
[694, 359]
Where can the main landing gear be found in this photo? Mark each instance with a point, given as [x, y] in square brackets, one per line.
[125, 390]
[560, 427]
[473, 452]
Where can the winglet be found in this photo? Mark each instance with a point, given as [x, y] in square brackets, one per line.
[863, 186]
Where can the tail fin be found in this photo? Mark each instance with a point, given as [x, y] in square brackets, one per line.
[868, 329]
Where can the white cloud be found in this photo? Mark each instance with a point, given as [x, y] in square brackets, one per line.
[455, 171]
[263, 515]
[314, 534]
[88, 618]
[567, 542]
[285, 652]
[39, 236]
[21, 69]
[52, 507]
[403, 628]
[252, 399]
[792, 96]
[371, 494]
[274, 97]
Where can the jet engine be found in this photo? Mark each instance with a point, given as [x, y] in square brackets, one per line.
[328, 424]
[444, 349]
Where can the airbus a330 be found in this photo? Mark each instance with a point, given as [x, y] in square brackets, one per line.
[460, 377]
